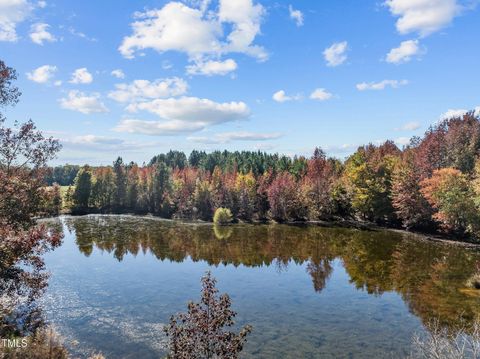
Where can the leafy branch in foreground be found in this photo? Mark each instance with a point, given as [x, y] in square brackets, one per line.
[200, 332]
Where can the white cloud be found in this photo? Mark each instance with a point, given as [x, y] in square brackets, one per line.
[402, 141]
[381, 85]
[181, 115]
[94, 139]
[80, 34]
[451, 113]
[245, 18]
[336, 54]
[96, 143]
[423, 16]
[321, 94]
[281, 96]
[174, 27]
[119, 74]
[144, 89]
[12, 12]
[198, 32]
[404, 52]
[409, 126]
[228, 137]
[210, 68]
[81, 102]
[296, 15]
[39, 33]
[157, 128]
[81, 76]
[42, 74]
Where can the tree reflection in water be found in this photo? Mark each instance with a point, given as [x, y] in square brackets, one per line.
[430, 277]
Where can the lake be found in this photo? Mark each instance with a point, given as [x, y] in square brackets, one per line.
[308, 291]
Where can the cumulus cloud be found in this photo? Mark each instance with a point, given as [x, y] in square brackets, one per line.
[404, 52]
[81, 102]
[296, 15]
[451, 113]
[409, 126]
[320, 94]
[335, 55]
[198, 32]
[144, 89]
[42, 74]
[39, 34]
[381, 85]
[281, 96]
[423, 16]
[119, 74]
[182, 115]
[211, 67]
[81, 76]
[12, 12]
[228, 137]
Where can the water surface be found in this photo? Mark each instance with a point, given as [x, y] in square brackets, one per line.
[308, 292]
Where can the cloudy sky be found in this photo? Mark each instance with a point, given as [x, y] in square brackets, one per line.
[135, 78]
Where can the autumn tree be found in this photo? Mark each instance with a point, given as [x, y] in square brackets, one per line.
[183, 189]
[202, 332]
[24, 153]
[410, 205]
[368, 173]
[246, 189]
[317, 185]
[462, 141]
[202, 200]
[451, 194]
[285, 198]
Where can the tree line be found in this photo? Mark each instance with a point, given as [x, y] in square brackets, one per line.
[432, 184]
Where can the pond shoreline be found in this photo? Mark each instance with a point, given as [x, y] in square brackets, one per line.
[353, 224]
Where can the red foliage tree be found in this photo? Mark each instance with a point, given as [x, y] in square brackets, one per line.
[285, 198]
[24, 153]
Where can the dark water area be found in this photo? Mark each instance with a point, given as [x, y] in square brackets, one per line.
[308, 291]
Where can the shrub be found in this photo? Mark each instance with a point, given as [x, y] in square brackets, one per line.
[200, 332]
[223, 216]
[439, 343]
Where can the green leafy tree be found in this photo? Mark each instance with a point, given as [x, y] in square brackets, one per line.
[161, 189]
[83, 188]
[120, 194]
[203, 200]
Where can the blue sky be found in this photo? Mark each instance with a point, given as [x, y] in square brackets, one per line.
[135, 78]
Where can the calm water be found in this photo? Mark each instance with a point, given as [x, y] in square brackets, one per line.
[308, 292]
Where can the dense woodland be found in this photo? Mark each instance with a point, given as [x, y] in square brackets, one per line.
[432, 184]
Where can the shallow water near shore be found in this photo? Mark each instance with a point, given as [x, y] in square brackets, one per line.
[308, 291]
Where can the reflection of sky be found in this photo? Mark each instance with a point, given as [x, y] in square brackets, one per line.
[118, 307]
